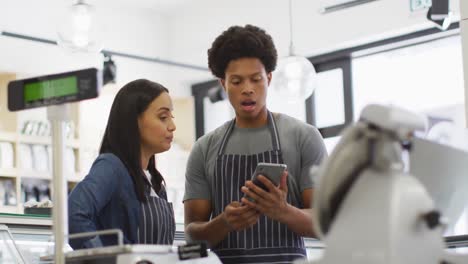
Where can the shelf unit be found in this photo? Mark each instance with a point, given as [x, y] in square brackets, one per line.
[9, 132]
[19, 175]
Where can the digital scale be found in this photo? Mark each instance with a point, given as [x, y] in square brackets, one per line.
[54, 89]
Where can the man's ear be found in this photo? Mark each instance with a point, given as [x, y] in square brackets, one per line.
[223, 83]
[269, 76]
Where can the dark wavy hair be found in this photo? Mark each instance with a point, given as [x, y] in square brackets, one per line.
[122, 136]
[241, 42]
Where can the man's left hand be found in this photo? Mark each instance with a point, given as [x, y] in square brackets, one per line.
[272, 203]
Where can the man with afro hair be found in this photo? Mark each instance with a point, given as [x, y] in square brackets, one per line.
[242, 222]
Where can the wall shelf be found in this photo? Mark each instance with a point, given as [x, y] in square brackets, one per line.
[8, 137]
[20, 219]
[42, 140]
[9, 209]
[35, 174]
[8, 172]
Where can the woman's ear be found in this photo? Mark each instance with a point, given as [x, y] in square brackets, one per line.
[269, 76]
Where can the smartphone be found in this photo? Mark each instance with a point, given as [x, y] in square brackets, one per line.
[272, 171]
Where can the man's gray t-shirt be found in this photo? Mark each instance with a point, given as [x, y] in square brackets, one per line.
[301, 146]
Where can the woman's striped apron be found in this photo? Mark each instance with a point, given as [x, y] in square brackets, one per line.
[157, 224]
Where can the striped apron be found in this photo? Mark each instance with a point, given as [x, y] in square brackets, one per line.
[268, 241]
[157, 224]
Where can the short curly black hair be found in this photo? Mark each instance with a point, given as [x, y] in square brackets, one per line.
[241, 42]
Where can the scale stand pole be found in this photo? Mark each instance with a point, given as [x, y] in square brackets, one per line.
[58, 115]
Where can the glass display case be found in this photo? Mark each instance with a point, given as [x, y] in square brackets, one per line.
[9, 252]
[31, 234]
[27, 238]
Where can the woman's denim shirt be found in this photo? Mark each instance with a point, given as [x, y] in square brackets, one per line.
[105, 199]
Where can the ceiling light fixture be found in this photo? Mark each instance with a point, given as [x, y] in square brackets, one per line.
[295, 77]
[77, 30]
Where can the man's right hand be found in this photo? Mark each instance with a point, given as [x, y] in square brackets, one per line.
[239, 217]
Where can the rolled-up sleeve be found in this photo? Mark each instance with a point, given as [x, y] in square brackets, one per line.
[196, 182]
[313, 152]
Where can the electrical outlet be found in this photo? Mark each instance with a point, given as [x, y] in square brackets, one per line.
[416, 5]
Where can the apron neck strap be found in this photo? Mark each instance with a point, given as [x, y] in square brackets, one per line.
[271, 126]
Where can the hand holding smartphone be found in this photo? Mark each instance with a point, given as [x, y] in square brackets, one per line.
[272, 171]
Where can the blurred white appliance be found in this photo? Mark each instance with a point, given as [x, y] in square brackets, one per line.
[368, 210]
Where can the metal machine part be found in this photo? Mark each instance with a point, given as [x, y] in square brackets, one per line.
[442, 170]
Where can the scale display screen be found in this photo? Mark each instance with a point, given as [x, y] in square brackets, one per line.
[54, 89]
[47, 89]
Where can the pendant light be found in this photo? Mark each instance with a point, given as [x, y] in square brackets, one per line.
[295, 76]
[77, 30]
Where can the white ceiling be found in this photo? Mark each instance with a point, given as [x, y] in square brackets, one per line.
[158, 6]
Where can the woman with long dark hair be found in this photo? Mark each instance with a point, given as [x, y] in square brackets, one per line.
[123, 189]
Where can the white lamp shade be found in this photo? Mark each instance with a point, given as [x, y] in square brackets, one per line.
[77, 30]
[295, 78]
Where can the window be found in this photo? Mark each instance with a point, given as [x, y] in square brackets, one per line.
[425, 78]
[330, 108]
[329, 98]
[223, 110]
